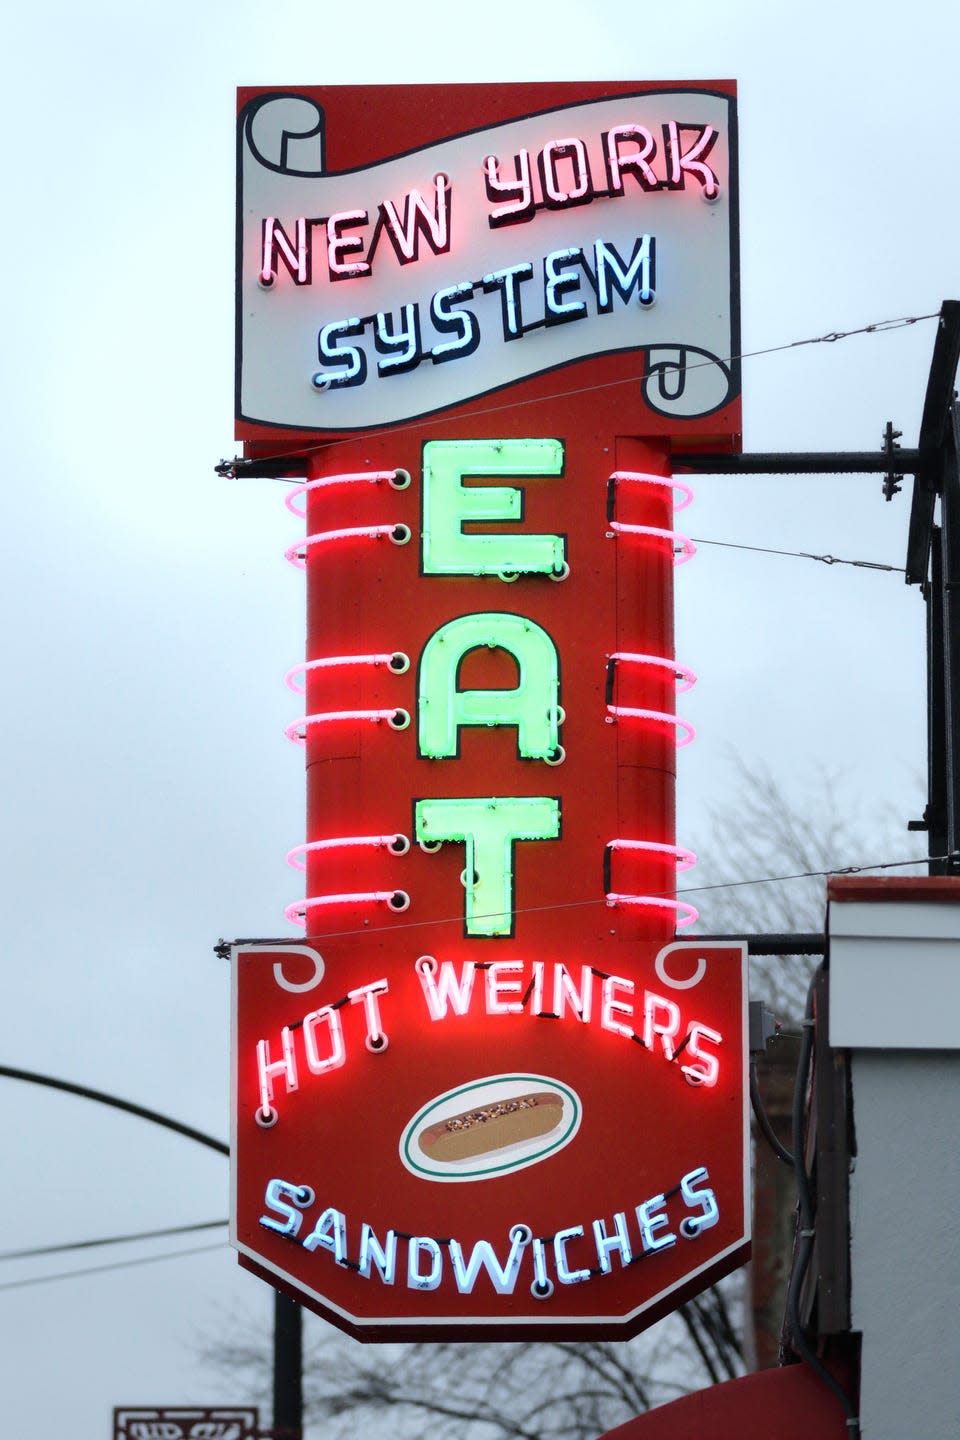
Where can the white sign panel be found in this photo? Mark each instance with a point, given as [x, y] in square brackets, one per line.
[378, 294]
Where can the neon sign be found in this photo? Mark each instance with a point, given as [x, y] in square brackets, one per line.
[496, 1126]
[388, 271]
[489, 709]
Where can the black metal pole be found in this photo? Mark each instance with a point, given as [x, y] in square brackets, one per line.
[950, 579]
[287, 1369]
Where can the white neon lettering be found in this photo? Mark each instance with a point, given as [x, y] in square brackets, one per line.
[575, 151]
[329, 1233]
[461, 323]
[277, 1196]
[650, 1222]
[339, 245]
[556, 285]
[400, 347]
[518, 202]
[445, 991]
[508, 282]
[497, 987]
[617, 163]
[373, 1253]
[419, 219]
[611, 273]
[267, 1069]
[607, 1244]
[566, 993]
[667, 1029]
[367, 996]
[422, 1245]
[353, 361]
[705, 1199]
[542, 1286]
[277, 242]
[483, 1256]
[707, 1072]
[565, 1275]
[692, 161]
[610, 1006]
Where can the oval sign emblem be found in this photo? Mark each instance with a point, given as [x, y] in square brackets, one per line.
[490, 1127]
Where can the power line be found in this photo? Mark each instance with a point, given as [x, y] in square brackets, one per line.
[110, 1240]
[876, 328]
[924, 860]
[803, 555]
[101, 1269]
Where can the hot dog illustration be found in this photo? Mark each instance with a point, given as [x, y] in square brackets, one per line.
[492, 1127]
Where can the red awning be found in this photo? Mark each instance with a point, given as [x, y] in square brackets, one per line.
[790, 1403]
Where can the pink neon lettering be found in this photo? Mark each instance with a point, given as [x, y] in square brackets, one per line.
[419, 219]
[554, 151]
[708, 1070]
[368, 997]
[667, 1029]
[610, 1006]
[267, 1069]
[340, 245]
[444, 990]
[331, 1018]
[692, 161]
[566, 993]
[499, 985]
[277, 242]
[635, 163]
[518, 202]
[536, 994]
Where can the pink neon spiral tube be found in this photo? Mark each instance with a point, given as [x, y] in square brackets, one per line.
[398, 844]
[686, 914]
[397, 479]
[644, 477]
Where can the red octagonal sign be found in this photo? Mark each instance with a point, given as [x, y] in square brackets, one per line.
[535, 1149]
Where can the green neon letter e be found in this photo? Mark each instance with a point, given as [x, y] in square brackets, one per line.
[489, 829]
[448, 505]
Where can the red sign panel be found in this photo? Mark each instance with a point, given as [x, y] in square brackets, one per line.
[520, 1146]
[487, 1089]
[405, 250]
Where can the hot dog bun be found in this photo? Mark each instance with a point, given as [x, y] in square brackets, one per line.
[492, 1127]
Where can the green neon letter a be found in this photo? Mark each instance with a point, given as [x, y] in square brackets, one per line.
[448, 505]
[532, 706]
[488, 829]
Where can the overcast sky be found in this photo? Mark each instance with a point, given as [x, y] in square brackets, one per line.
[150, 796]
